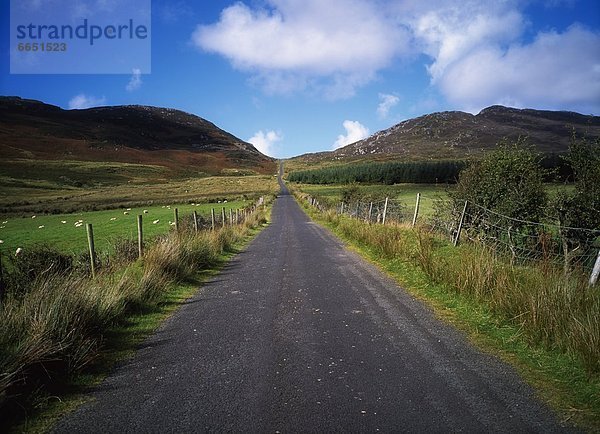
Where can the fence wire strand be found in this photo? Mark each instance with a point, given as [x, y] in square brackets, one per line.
[522, 240]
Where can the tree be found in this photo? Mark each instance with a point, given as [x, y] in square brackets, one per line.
[507, 181]
[578, 212]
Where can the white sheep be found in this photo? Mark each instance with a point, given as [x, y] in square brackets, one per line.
[113, 219]
[145, 211]
[125, 213]
[19, 251]
[1, 241]
[41, 227]
[63, 222]
[155, 221]
[32, 216]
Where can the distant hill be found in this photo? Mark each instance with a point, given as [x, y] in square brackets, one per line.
[163, 137]
[451, 135]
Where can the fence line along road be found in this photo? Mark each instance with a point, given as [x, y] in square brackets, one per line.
[522, 240]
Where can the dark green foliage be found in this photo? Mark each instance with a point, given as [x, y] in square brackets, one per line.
[33, 263]
[350, 194]
[508, 181]
[426, 172]
[581, 208]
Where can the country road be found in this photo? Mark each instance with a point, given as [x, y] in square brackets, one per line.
[298, 334]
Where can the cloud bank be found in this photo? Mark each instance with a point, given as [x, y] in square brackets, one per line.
[355, 131]
[334, 46]
[266, 142]
[479, 51]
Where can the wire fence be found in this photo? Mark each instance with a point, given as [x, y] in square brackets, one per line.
[522, 241]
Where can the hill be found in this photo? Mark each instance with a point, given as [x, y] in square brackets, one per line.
[141, 135]
[459, 135]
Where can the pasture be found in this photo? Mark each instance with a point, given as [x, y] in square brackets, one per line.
[406, 193]
[67, 232]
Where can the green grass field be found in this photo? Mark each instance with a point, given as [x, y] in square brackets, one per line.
[60, 230]
[407, 193]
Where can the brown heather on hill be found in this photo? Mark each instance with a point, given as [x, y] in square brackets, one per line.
[459, 135]
[145, 135]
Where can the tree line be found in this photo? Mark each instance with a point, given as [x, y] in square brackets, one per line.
[426, 172]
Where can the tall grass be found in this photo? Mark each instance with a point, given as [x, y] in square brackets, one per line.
[56, 325]
[561, 312]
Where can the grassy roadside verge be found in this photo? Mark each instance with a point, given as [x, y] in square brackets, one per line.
[61, 338]
[561, 372]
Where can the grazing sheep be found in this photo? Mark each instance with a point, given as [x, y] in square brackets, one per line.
[5, 222]
[41, 227]
[155, 222]
[32, 216]
[145, 211]
[1, 241]
[125, 213]
[19, 251]
[63, 221]
[128, 209]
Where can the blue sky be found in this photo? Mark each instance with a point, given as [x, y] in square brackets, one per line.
[297, 76]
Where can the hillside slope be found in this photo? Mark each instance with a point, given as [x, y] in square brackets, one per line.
[461, 135]
[169, 138]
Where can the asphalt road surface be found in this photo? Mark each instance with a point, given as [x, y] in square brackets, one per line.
[298, 334]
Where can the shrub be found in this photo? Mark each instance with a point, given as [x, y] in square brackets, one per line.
[34, 263]
[508, 181]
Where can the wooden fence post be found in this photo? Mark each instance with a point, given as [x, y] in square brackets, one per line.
[212, 218]
[237, 216]
[230, 216]
[370, 212]
[140, 237]
[176, 215]
[357, 209]
[90, 236]
[195, 216]
[223, 216]
[595, 271]
[342, 209]
[460, 224]
[384, 211]
[416, 209]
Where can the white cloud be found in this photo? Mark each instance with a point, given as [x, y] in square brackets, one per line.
[556, 70]
[265, 142]
[447, 35]
[386, 102]
[480, 51]
[135, 82]
[83, 101]
[355, 131]
[337, 45]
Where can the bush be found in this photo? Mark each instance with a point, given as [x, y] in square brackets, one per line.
[581, 208]
[34, 263]
[508, 181]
